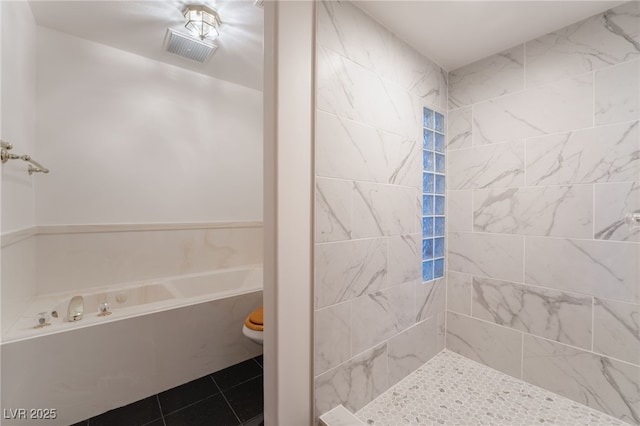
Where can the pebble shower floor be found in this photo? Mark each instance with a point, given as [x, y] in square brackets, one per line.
[453, 390]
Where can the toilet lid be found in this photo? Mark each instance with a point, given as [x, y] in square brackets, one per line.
[254, 320]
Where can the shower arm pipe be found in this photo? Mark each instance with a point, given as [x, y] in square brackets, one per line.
[5, 156]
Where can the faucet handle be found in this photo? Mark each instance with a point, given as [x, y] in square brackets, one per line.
[76, 309]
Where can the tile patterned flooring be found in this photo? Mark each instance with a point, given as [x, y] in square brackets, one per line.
[453, 390]
[232, 396]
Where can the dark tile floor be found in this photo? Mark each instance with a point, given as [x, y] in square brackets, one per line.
[231, 397]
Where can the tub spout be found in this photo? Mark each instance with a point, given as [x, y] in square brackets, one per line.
[76, 309]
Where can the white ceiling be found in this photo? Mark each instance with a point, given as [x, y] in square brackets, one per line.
[452, 33]
[140, 27]
[456, 33]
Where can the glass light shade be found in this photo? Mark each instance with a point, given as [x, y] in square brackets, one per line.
[202, 22]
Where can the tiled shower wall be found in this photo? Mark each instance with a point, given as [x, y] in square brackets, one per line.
[543, 164]
[375, 322]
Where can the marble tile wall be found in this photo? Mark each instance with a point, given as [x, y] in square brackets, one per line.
[375, 321]
[543, 273]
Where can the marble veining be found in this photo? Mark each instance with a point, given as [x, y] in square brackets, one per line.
[617, 329]
[493, 166]
[495, 346]
[333, 210]
[380, 210]
[613, 202]
[600, 268]
[488, 255]
[617, 94]
[562, 211]
[345, 89]
[488, 78]
[348, 31]
[430, 298]
[601, 154]
[350, 150]
[598, 382]
[605, 39]
[354, 383]
[564, 317]
[378, 316]
[412, 348]
[453, 390]
[459, 132]
[332, 336]
[345, 270]
[403, 259]
[552, 108]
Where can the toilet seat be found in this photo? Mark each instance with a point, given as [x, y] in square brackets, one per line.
[253, 326]
[254, 320]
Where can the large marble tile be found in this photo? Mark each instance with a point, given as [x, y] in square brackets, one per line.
[430, 299]
[617, 94]
[598, 382]
[460, 130]
[332, 336]
[493, 166]
[602, 40]
[345, 29]
[599, 268]
[488, 78]
[494, 346]
[353, 384]
[346, 89]
[552, 108]
[616, 329]
[384, 210]
[564, 317]
[345, 270]
[333, 210]
[612, 203]
[488, 255]
[404, 258]
[601, 154]
[412, 348]
[459, 292]
[350, 150]
[404, 162]
[460, 211]
[378, 316]
[561, 211]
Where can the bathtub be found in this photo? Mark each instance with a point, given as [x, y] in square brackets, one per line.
[159, 334]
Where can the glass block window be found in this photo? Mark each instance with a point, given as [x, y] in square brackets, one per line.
[433, 189]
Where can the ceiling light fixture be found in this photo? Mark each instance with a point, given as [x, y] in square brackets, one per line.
[203, 22]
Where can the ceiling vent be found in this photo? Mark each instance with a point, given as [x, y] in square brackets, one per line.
[188, 47]
[259, 4]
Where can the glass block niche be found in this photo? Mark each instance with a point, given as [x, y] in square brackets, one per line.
[433, 191]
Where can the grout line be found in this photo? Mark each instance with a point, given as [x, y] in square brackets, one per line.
[521, 356]
[593, 319]
[227, 401]
[161, 412]
[524, 333]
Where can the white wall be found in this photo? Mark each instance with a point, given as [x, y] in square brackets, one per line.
[132, 140]
[18, 113]
[18, 127]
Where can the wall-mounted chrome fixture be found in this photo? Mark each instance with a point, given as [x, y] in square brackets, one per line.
[202, 21]
[633, 219]
[5, 156]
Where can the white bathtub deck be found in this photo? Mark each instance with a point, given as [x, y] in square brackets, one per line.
[453, 390]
